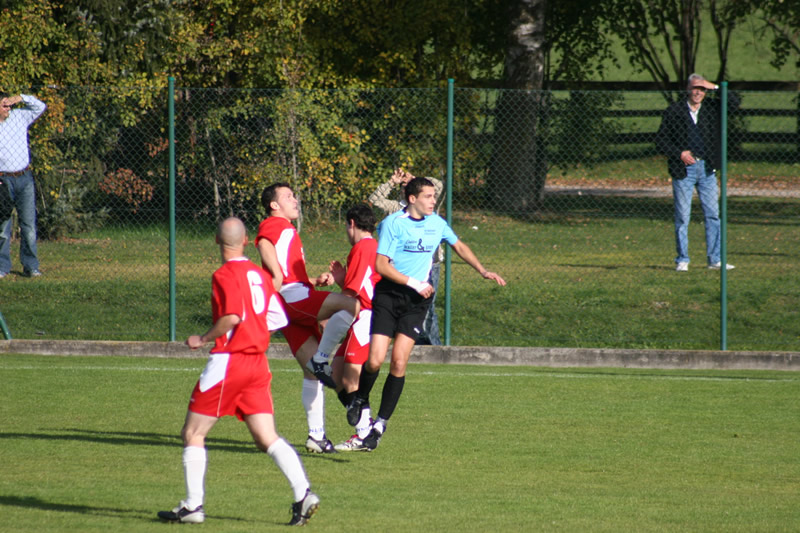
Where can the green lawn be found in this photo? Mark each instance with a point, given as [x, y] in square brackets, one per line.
[584, 272]
[91, 444]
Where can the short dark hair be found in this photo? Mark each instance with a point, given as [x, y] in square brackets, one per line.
[363, 216]
[4, 94]
[271, 193]
[414, 187]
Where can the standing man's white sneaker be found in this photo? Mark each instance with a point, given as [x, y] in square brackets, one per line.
[682, 267]
[718, 266]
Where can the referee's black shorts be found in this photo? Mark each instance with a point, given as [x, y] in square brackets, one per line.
[398, 309]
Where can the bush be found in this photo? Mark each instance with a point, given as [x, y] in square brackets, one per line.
[66, 215]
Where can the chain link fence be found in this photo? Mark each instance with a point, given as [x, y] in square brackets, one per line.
[563, 193]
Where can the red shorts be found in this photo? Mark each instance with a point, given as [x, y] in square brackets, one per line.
[355, 346]
[303, 323]
[233, 385]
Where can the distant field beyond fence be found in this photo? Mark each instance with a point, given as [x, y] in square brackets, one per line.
[562, 192]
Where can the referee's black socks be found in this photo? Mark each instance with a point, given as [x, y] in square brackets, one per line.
[366, 381]
[392, 390]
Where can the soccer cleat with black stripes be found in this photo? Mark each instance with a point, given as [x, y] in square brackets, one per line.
[324, 445]
[183, 514]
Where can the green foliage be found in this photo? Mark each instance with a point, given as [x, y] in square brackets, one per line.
[580, 132]
[66, 215]
[782, 19]
[579, 40]
[332, 146]
[408, 44]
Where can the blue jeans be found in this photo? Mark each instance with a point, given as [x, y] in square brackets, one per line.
[23, 194]
[708, 193]
[430, 328]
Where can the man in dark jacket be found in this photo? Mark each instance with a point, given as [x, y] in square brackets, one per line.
[690, 138]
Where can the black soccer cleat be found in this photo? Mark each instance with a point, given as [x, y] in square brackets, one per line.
[372, 440]
[354, 410]
[322, 371]
[303, 510]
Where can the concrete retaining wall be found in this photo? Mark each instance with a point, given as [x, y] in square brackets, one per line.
[474, 355]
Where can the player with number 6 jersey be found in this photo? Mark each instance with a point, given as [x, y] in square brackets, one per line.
[236, 380]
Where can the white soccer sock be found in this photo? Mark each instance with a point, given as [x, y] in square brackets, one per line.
[314, 403]
[289, 463]
[334, 332]
[380, 425]
[194, 473]
[364, 424]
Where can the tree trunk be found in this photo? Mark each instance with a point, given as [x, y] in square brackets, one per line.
[519, 168]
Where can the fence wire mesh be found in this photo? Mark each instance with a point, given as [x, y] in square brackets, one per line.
[563, 193]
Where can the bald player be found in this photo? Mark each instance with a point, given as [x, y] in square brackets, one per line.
[236, 380]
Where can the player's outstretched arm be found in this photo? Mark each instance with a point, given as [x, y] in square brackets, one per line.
[222, 326]
[323, 280]
[466, 253]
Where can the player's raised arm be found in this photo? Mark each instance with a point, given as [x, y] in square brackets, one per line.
[466, 253]
[269, 261]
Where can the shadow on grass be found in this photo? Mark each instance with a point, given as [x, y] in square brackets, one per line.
[120, 438]
[618, 267]
[32, 502]
[127, 438]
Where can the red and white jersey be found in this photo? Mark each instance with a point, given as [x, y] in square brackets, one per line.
[241, 288]
[283, 236]
[361, 276]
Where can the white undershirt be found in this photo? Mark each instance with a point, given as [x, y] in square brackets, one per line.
[693, 113]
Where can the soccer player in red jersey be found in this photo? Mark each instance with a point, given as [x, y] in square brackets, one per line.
[236, 380]
[358, 280]
[281, 252]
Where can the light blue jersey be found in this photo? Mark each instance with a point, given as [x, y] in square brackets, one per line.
[410, 243]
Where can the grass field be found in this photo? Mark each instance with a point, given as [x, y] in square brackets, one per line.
[91, 444]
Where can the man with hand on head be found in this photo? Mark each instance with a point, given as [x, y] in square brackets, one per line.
[17, 177]
[380, 199]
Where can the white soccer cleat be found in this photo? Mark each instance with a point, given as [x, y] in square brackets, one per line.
[353, 444]
[183, 514]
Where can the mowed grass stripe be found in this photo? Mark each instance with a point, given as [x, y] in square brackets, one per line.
[93, 444]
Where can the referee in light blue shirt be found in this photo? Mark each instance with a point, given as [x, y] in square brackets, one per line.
[16, 176]
[406, 244]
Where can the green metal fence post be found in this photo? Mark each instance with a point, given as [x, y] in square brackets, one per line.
[4, 327]
[723, 216]
[449, 199]
[172, 295]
